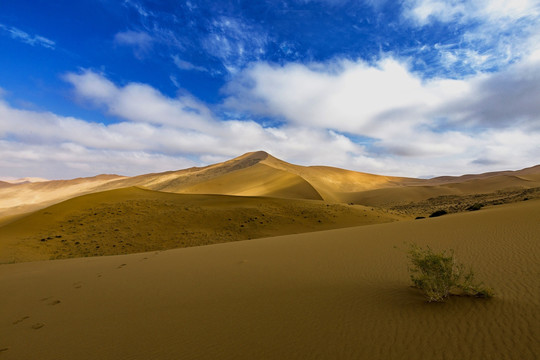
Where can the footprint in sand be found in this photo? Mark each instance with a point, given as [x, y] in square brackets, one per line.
[37, 326]
[77, 285]
[121, 266]
[20, 320]
[3, 349]
[54, 302]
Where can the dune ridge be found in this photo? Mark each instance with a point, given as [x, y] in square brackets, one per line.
[260, 174]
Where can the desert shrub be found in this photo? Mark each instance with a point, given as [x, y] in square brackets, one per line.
[438, 275]
[475, 207]
[438, 213]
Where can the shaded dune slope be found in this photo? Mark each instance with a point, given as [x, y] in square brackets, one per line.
[339, 294]
[131, 220]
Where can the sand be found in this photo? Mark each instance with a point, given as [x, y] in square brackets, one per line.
[337, 294]
[132, 220]
[26, 197]
[261, 174]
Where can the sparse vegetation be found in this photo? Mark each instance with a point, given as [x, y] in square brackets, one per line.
[438, 275]
[438, 213]
[475, 207]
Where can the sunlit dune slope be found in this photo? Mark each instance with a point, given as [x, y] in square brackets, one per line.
[331, 182]
[178, 181]
[339, 294]
[133, 220]
[27, 197]
[260, 174]
[258, 180]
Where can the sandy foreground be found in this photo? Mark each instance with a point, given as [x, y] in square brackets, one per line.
[337, 294]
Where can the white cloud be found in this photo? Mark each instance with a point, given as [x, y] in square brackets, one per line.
[34, 40]
[185, 65]
[153, 136]
[425, 123]
[140, 41]
[141, 102]
[403, 125]
[351, 97]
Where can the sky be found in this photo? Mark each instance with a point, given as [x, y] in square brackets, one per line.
[415, 88]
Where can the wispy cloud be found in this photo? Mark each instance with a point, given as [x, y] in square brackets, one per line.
[185, 65]
[235, 42]
[231, 40]
[140, 41]
[424, 11]
[493, 33]
[34, 40]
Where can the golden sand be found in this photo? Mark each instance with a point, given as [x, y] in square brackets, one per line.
[338, 294]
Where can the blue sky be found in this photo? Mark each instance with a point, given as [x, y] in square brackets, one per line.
[410, 87]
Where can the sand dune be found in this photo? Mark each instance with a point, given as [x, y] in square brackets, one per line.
[131, 220]
[534, 171]
[388, 197]
[24, 180]
[260, 174]
[27, 197]
[339, 294]
[258, 180]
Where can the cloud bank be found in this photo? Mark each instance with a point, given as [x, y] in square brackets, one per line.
[379, 118]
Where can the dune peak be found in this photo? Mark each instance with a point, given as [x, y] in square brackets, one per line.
[255, 155]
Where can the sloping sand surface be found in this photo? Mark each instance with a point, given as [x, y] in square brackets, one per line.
[27, 197]
[132, 220]
[339, 294]
[258, 180]
[260, 174]
[388, 197]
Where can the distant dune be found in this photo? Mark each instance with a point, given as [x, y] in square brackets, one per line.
[30, 196]
[24, 180]
[260, 174]
[337, 294]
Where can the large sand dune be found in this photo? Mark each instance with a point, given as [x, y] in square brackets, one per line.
[131, 220]
[260, 174]
[339, 294]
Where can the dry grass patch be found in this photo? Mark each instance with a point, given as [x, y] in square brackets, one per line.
[438, 275]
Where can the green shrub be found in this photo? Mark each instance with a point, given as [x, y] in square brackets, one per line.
[438, 275]
[438, 213]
